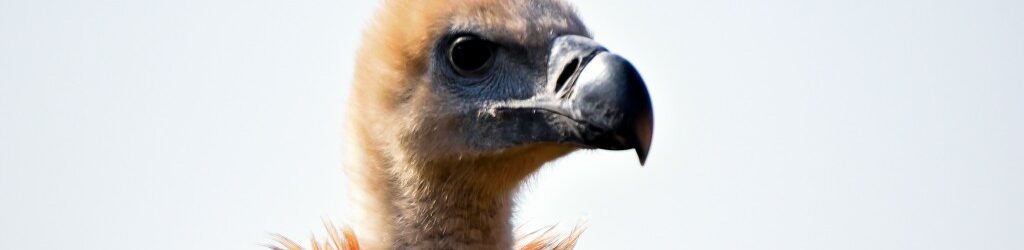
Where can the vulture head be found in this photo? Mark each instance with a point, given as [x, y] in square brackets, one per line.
[456, 102]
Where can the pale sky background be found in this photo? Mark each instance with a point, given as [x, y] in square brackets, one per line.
[205, 124]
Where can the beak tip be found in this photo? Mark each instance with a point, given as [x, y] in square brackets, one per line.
[644, 132]
[642, 144]
[642, 155]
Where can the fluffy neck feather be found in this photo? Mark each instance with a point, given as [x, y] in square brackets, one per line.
[444, 212]
[452, 204]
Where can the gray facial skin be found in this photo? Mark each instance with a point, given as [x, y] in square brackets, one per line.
[572, 92]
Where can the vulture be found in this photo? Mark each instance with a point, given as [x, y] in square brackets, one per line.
[456, 102]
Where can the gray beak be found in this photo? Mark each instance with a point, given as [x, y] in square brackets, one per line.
[592, 98]
[603, 91]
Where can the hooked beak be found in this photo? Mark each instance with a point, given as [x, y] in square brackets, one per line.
[593, 98]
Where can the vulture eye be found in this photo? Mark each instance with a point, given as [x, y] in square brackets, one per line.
[471, 56]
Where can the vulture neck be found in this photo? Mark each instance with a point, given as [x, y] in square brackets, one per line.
[456, 204]
[448, 212]
[441, 204]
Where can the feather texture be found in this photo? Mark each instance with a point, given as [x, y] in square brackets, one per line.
[542, 239]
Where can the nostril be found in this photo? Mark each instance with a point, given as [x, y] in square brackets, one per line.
[567, 72]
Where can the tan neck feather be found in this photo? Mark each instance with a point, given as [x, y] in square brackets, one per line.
[448, 214]
[442, 204]
[463, 206]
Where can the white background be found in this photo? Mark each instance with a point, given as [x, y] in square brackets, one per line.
[779, 125]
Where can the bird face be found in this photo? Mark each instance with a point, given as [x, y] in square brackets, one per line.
[518, 80]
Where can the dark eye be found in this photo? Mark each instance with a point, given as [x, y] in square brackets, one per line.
[471, 56]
